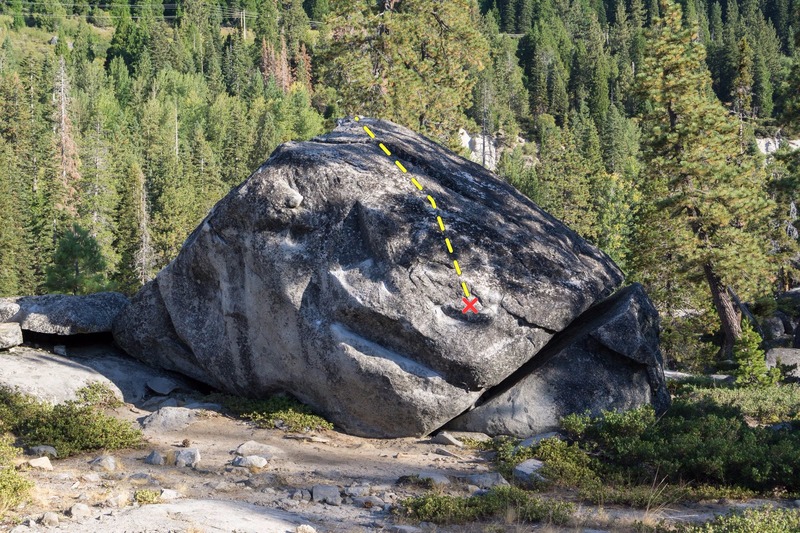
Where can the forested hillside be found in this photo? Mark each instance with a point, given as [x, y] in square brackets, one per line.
[123, 122]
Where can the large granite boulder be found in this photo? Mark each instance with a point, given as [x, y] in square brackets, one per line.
[326, 275]
[63, 314]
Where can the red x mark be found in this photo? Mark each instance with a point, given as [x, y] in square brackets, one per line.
[470, 305]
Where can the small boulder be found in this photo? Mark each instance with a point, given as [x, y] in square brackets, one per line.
[10, 335]
[170, 419]
[155, 458]
[528, 471]
[142, 479]
[118, 501]
[250, 461]
[486, 480]
[368, 502]
[187, 457]
[80, 511]
[42, 463]
[50, 519]
[773, 328]
[443, 437]
[357, 490]
[435, 478]
[252, 447]
[169, 495]
[326, 494]
[104, 463]
[43, 451]
[787, 356]
[162, 385]
[305, 528]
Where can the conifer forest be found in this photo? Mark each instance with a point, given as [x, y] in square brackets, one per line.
[636, 122]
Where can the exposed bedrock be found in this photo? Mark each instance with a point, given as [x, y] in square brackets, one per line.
[325, 275]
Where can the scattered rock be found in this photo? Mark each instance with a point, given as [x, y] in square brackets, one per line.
[161, 385]
[155, 458]
[105, 463]
[91, 477]
[170, 419]
[326, 494]
[305, 529]
[80, 511]
[443, 437]
[485, 480]
[187, 457]
[221, 486]
[250, 461]
[50, 519]
[536, 439]
[252, 447]
[43, 451]
[528, 471]
[42, 463]
[10, 335]
[447, 453]
[404, 529]
[60, 349]
[62, 314]
[169, 495]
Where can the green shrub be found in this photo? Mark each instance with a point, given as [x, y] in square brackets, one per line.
[98, 394]
[499, 501]
[274, 412]
[13, 487]
[752, 370]
[71, 427]
[145, 496]
[765, 405]
[763, 520]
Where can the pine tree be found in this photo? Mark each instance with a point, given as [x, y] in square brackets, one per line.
[742, 92]
[67, 180]
[78, 265]
[704, 210]
[132, 238]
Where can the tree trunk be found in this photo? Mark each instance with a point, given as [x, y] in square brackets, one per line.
[728, 314]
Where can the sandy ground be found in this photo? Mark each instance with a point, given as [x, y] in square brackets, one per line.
[216, 496]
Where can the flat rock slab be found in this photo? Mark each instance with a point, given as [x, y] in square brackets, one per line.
[48, 377]
[55, 379]
[10, 335]
[199, 515]
[61, 314]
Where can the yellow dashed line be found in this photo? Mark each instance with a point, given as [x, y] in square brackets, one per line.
[418, 185]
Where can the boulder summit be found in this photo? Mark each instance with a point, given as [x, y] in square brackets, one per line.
[326, 275]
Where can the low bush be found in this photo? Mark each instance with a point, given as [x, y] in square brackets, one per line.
[98, 394]
[146, 496]
[280, 412]
[71, 427]
[499, 501]
[765, 519]
[13, 486]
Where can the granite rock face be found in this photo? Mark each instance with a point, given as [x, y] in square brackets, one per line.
[326, 275]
